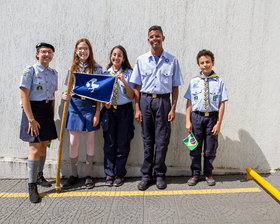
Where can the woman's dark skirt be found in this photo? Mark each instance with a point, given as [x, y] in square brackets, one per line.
[43, 114]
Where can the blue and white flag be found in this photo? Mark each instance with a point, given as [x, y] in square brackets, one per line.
[97, 87]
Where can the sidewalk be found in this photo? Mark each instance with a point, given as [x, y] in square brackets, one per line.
[232, 200]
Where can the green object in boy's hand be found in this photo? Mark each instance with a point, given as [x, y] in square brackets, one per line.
[49, 144]
[191, 142]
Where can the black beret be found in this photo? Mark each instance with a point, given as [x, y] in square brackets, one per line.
[39, 45]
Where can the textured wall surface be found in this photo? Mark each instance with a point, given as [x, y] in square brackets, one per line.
[244, 35]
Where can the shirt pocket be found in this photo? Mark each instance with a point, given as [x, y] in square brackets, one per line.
[196, 95]
[214, 97]
[146, 74]
[53, 83]
[39, 83]
[122, 88]
[166, 76]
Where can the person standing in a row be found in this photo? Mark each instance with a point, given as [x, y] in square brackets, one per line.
[120, 129]
[83, 114]
[156, 74]
[206, 97]
[37, 88]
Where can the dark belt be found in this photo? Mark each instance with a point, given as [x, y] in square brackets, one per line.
[121, 106]
[42, 101]
[154, 95]
[207, 114]
[79, 97]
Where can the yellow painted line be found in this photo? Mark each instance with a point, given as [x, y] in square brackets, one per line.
[252, 174]
[134, 193]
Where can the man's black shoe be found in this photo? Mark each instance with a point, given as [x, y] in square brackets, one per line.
[161, 184]
[70, 182]
[144, 185]
[42, 181]
[34, 196]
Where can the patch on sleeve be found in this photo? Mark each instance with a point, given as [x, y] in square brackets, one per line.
[25, 71]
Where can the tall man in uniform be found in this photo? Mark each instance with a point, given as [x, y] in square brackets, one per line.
[156, 74]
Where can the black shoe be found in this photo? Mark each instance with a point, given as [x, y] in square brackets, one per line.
[34, 196]
[109, 181]
[89, 183]
[192, 181]
[210, 181]
[161, 184]
[144, 185]
[71, 181]
[118, 181]
[42, 181]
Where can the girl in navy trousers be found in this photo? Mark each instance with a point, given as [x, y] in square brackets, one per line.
[120, 129]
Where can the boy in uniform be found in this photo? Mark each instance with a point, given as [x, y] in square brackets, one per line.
[156, 74]
[206, 96]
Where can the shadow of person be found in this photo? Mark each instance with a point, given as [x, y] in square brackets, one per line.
[177, 158]
[234, 156]
[65, 143]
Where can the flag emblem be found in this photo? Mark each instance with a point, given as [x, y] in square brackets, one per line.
[91, 86]
[191, 141]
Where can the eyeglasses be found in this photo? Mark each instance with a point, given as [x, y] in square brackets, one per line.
[80, 49]
[46, 52]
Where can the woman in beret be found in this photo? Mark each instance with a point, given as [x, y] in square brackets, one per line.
[37, 88]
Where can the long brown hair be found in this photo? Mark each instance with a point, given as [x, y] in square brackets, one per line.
[125, 65]
[76, 60]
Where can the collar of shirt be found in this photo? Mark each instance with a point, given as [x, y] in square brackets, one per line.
[163, 56]
[209, 74]
[41, 68]
[111, 70]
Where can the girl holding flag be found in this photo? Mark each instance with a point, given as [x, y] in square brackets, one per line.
[83, 114]
[120, 130]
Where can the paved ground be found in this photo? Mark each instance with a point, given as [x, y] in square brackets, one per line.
[232, 200]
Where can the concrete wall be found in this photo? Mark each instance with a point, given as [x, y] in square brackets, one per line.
[244, 35]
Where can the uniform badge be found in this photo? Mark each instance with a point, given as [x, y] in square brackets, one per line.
[195, 98]
[214, 98]
[25, 71]
[39, 88]
[195, 85]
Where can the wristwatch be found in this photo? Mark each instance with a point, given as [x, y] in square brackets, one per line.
[30, 120]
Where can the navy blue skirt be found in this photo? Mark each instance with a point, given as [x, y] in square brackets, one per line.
[80, 114]
[43, 114]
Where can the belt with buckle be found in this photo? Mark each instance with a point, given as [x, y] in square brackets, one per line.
[154, 95]
[116, 107]
[42, 101]
[207, 114]
[79, 97]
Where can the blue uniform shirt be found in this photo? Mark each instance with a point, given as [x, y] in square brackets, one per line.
[41, 81]
[217, 93]
[122, 93]
[158, 77]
